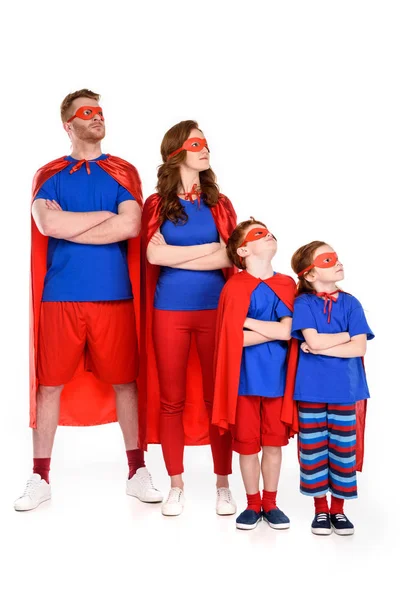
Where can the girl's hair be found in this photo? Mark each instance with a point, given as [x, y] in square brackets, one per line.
[301, 259]
[236, 239]
[169, 178]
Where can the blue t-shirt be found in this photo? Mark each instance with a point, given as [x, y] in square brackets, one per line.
[85, 272]
[181, 289]
[328, 378]
[263, 367]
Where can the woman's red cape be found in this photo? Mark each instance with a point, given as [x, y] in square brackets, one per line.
[196, 425]
[85, 400]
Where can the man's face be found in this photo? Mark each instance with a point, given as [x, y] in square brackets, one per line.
[85, 130]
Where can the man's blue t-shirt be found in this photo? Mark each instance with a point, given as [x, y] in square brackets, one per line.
[181, 289]
[85, 272]
[263, 367]
[327, 378]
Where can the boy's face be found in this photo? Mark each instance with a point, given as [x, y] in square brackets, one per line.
[263, 247]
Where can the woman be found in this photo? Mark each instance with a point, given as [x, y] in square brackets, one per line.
[184, 230]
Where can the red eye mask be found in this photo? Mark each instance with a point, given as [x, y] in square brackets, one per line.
[255, 234]
[191, 145]
[87, 112]
[322, 261]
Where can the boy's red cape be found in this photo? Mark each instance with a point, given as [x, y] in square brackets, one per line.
[196, 425]
[85, 400]
[232, 311]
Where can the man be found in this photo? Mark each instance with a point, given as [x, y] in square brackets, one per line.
[85, 273]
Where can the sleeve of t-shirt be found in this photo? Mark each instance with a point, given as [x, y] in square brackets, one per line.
[303, 318]
[357, 321]
[282, 310]
[48, 190]
[123, 195]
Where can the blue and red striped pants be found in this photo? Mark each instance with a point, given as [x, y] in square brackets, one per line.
[327, 448]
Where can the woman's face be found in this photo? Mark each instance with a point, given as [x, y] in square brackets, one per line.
[197, 161]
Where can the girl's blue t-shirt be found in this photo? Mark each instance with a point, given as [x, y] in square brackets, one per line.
[85, 272]
[263, 367]
[330, 379]
[182, 289]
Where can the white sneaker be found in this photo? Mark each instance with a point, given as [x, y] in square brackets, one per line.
[225, 502]
[141, 486]
[174, 504]
[37, 490]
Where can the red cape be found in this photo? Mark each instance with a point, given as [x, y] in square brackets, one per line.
[195, 418]
[84, 400]
[232, 311]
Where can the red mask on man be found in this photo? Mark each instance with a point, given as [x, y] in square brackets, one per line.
[87, 112]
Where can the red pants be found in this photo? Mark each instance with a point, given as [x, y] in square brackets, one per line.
[172, 331]
[258, 423]
[103, 332]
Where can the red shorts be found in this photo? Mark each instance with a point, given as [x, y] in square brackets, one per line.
[101, 333]
[258, 423]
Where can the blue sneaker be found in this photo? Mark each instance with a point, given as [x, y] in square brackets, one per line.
[321, 524]
[341, 524]
[276, 519]
[248, 519]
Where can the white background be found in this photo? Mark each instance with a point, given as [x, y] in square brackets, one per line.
[300, 104]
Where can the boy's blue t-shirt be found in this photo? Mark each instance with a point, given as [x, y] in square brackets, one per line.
[85, 272]
[182, 289]
[263, 367]
[326, 378]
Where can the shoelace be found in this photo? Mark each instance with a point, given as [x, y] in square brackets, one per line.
[224, 494]
[147, 477]
[322, 517]
[30, 487]
[328, 299]
[341, 517]
[174, 495]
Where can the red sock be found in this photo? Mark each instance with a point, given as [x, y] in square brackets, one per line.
[337, 505]
[135, 461]
[41, 466]
[269, 500]
[254, 501]
[321, 505]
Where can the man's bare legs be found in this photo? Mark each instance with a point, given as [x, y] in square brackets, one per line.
[48, 412]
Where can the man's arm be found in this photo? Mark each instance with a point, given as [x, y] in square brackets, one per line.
[123, 226]
[275, 330]
[62, 224]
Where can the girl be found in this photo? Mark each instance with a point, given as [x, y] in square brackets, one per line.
[185, 227]
[331, 386]
[254, 324]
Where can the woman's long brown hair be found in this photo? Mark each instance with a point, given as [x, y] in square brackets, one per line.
[301, 259]
[169, 178]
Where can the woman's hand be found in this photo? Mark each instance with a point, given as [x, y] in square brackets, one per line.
[158, 239]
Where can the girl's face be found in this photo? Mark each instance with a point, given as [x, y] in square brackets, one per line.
[197, 161]
[265, 246]
[330, 269]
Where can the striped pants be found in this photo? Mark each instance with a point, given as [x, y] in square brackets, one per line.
[327, 449]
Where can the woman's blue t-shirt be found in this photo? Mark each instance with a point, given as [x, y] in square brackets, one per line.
[182, 289]
[263, 367]
[326, 378]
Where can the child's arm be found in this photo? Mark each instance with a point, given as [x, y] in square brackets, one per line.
[356, 347]
[322, 341]
[275, 330]
[252, 338]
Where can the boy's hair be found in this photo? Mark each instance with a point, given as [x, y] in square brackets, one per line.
[236, 239]
[301, 259]
[68, 100]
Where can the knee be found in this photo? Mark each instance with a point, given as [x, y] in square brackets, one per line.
[170, 407]
[272, 452]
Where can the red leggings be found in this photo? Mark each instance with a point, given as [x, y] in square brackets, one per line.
[172, 331]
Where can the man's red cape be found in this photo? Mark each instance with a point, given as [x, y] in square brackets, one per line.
[232, 311]
[85, 400]
[196, 425]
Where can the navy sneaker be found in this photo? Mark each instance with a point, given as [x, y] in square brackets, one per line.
[276, 519]
[341, 524]
[321, 524]
[248, 519]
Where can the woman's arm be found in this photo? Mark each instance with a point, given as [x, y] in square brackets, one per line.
[275, 330]
[217, 260]
[252, 338]
[322, 341]
[162, 254]
[356, 347]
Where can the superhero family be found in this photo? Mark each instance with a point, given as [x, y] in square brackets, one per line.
[139, 314]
